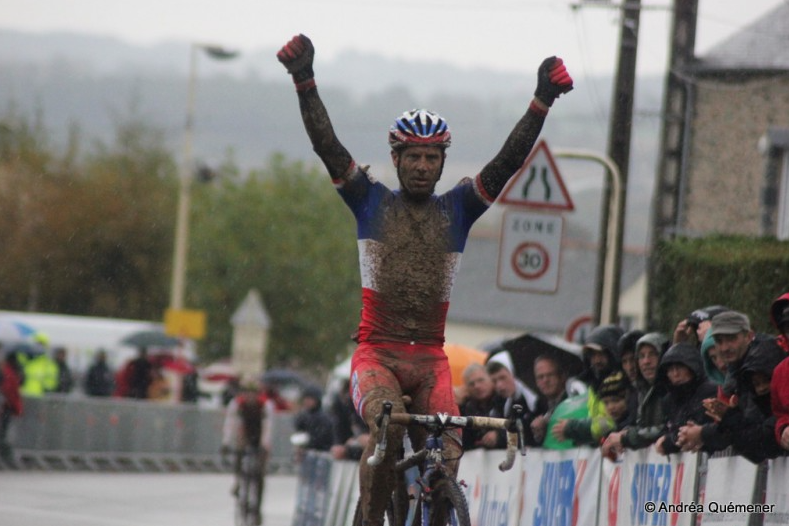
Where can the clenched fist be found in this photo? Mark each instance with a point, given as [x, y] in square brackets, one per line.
[552, 80]
[297, 56]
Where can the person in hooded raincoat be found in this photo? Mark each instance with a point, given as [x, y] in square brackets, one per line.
[682, 372]
[650, 420]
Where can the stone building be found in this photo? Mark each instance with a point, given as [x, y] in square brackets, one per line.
[736, 177]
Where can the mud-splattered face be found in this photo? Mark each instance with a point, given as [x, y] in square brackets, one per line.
[418, 169]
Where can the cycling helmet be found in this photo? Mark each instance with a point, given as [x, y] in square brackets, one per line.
[419, 127]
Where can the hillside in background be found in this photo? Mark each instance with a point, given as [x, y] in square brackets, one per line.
[246, 109]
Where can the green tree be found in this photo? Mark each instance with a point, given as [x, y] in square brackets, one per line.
[284, 231]
[89, 237]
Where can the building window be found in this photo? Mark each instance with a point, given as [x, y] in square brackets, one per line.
[783, 198]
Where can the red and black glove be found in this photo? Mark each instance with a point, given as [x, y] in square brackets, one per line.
[552, 80]
[297, 56]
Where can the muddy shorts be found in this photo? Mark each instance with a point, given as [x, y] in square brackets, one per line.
[382, 371]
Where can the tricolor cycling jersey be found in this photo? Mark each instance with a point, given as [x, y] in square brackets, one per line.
[408, 255]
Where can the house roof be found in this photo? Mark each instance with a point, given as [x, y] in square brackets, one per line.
[476, 297]
[762, 46]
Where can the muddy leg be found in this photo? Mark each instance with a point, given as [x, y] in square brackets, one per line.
[377, 482]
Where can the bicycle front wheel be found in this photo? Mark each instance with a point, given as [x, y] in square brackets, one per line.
[447, 505]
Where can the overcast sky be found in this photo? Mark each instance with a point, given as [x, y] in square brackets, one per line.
[508, 35]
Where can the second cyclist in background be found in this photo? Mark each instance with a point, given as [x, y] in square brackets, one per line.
[248, 423]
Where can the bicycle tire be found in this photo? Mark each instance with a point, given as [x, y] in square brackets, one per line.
[247, 500]
[447, 505]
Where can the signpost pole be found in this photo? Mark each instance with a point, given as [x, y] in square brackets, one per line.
[607, 304]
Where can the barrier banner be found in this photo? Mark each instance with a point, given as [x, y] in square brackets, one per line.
[313, 496]
[353, 498]
[777, 492]
[725, 500]
[644, 488]
[561, 488]
[344, 475]
[493, 496]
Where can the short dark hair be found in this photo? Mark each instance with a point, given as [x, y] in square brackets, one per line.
[495, 366]
[554, 360]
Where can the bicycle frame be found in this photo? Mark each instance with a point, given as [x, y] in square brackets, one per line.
[436, 490]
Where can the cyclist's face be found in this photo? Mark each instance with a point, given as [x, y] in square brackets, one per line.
[479, 385]
[418, 169]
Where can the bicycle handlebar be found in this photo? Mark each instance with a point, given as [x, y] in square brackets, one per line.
[513, 426]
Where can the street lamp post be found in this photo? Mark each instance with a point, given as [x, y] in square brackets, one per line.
[185, 177]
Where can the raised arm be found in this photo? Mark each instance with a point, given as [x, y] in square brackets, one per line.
[552, 81]
[297, 57]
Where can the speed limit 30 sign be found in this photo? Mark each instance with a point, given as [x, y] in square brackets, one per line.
[530, 250]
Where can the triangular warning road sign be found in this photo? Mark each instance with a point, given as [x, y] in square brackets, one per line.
[538, 183]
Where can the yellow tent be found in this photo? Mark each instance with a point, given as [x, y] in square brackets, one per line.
[459, 357]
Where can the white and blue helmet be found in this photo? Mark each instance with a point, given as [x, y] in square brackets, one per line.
[419, 127]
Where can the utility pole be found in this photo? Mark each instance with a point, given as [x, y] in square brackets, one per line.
[666, 207]
[620, 131]
[620, 127]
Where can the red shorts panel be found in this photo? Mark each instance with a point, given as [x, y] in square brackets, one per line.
[390, 370]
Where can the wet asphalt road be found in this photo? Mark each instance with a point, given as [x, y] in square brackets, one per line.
[37, 498]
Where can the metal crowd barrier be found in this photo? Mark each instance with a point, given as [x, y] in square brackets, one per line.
[79, 433]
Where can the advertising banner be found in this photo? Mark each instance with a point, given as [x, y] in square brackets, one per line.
[493, 496]
[562, 488]
[725, 502]
[644, 488]
[777, 492]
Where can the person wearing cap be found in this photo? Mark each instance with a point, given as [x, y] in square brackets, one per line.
[693, 328]
[682, 372]
[615, 392]
[599, 357]
[779, 384]
[650, 420]
[734, 338]
[749, 422]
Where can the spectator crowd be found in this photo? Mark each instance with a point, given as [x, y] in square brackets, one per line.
[712, 384]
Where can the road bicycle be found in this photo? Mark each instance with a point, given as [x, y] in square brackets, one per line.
[426, 492]
[250, 488]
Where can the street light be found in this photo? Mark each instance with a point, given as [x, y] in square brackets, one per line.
[181, 246]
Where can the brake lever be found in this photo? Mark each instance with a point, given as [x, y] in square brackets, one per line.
[382, 421]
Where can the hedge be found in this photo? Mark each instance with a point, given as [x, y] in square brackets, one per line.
[742, 273]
